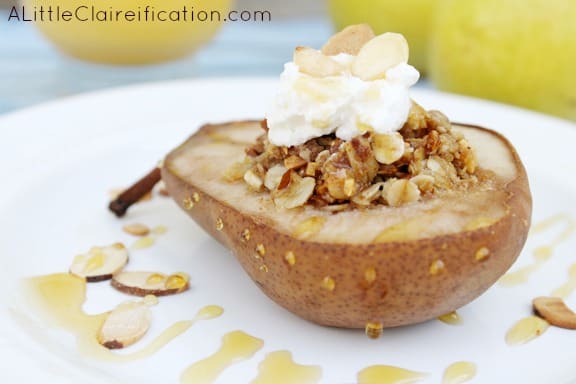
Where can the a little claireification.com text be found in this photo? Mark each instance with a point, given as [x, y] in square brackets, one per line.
[143, 13]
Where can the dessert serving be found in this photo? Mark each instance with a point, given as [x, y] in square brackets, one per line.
[350, 204]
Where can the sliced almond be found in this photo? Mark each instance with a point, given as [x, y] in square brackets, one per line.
[142, 283]
[136, 229]
[388, 147]
[316, 64]
[253, 180]
[294, 162]
[100, 263]
[555, 311]
[379, 55]
[125, 325]
[349, 40]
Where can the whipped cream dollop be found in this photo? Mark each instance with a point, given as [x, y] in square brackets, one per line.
[306, 107]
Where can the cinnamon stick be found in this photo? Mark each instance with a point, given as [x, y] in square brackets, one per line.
[126, 199]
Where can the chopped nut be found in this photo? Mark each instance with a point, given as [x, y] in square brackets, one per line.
[349, 187]
[100, 263]
[139, 283]
[285, 180]
[253, 180]
[125, 325]
[273, 177]
[136, 229]
[555, 311]
[380, 54]
[388, 147]
[294, 162]
[315, 63]
[311, 169]
[401, 192]
[349, 40]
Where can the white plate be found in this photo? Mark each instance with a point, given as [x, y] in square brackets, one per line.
[59, 161]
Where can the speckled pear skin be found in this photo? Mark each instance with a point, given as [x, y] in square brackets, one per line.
[348, 285]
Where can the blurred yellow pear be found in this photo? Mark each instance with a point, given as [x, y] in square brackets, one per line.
[516, 51]
[128, 31]
[411, 18]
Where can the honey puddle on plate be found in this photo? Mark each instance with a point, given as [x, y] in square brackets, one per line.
[58, 298]
[528, 328]
[388, 374]
[542, 253]
[236, 346]
[459, 372]
[279, 368]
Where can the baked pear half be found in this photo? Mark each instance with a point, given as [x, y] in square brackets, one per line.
[379, 264]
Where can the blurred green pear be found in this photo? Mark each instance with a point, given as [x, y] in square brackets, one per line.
[521, 52]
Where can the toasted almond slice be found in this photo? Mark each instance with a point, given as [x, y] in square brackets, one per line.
[125, 325]
[349, 40]
[555, 311]
[379, 55]
[136, 229]
[314, 63]
[142, 283]
[388, 147]
[100, 263]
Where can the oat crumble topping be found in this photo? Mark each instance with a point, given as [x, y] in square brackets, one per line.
[425, 157]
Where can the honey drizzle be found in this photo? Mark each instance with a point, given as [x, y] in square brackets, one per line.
[459, 372]
[58, 299]
[387, 374]
[452, 318]
[543, 253]
[236, 346]
[525, 330]
[279, 368]
[568, 287]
